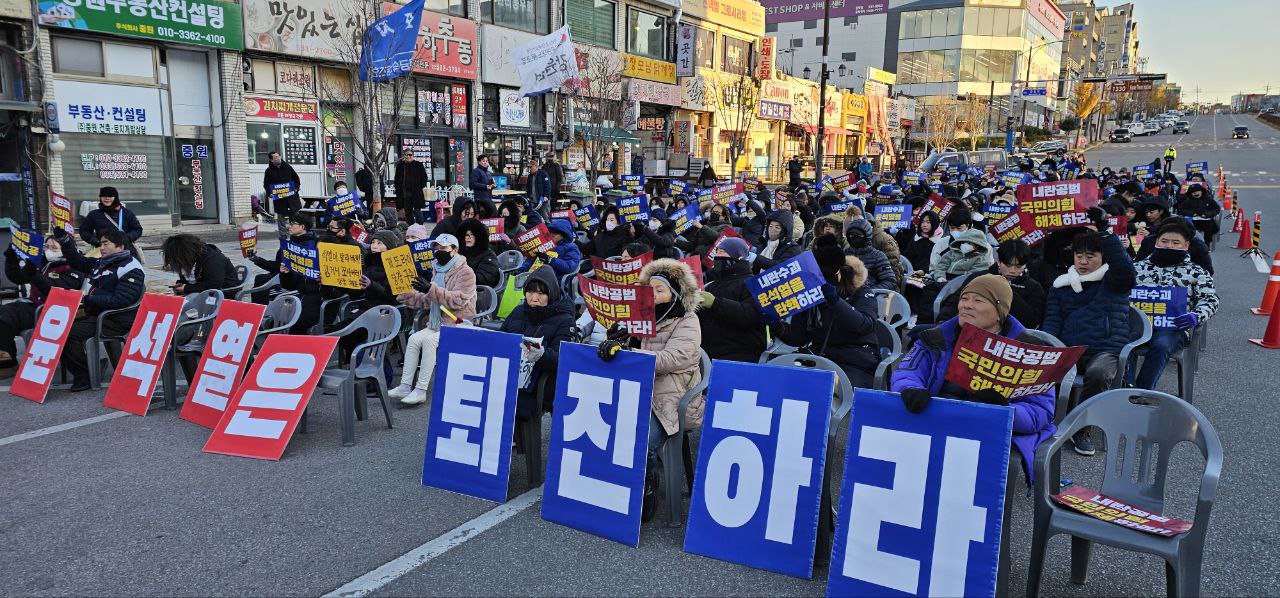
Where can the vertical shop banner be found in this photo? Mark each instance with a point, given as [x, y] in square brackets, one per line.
[301, 258]
[686, 46]
[788, 288]
[634, 209]
[390, 43]
[1058, 204]
[1014, 369]
[686, 217]
[535, 240]
[400, 269]
[922, 499]
[60, 213]
[248, 239]
[269, 402]
[28, 244]
[1161, 304]
[612, 303]
[758, 485]
[35, 371]
[618, 270]
[599, 431]
[473, 413]
[226, 353]
[545, 63]
[340, 265]
[144, 352]
[423, 254]
[587, 216]
[893, 216]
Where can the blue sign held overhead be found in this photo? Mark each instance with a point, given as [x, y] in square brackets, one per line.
[893, 216]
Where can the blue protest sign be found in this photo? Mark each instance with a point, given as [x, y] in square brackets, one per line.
[758, 485]
[28, 244]
[423, 254]
[634, 208]
[1161, 304]
[473, 411]
[912, 177]
[679, 187]
[301, 258]
[995, 211]
[1197, 167]
[840, 207]
[893, 216]
[389, 43]
[344, 205]
[587, 216]
[922, 499]
[632, 182]
[281, 191]
[685, 217]
[1143, 172]
[599, 431]
[788, 288]
[1013, 178]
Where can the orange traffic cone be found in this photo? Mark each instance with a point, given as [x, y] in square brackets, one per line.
[1273, 289]
[1246, 238]
[1227, 202]
[1271, 339]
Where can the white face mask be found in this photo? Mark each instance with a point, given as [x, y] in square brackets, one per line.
[610, 225]
[654, 225]
[52, 256]
[341, 191]
[966, 247]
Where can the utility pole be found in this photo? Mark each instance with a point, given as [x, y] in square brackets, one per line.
[820, 135]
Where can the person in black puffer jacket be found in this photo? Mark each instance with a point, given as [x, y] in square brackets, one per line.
[1012, 258]
[376, 288]
[751, 222]
[545, 313]
[610, 235]
[703, 235]
[879, 272]
[309, 292]
[917, 243]
[474, 236]
[200, 266]
[463, 208]
[728, 312]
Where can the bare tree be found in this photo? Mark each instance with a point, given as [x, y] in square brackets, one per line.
[737, 102]
[598, 107]
[941, 122]
[971, 118]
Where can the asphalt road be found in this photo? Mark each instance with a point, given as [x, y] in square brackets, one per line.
[131, 506]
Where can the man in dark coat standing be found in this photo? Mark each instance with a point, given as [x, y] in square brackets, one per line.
[538, 187]
[556, 172]
[482, 180]
[794, 168]
[410, 179]
[282, 184]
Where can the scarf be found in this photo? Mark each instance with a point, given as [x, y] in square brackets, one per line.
[770, 248]
[1076, 280]
[438, 279]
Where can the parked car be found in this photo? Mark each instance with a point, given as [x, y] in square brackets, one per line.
[1182, 126]
[978, 159]
[1053, 147]
[1121, 135]
[1152, 127]
[1240, 133]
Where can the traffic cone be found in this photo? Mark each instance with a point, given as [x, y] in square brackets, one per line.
[1246, 237]
[1271, 339]
[1228, 202]
[1272, 291]
[1222, 190]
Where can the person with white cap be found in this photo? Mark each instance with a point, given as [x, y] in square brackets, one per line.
[449, 297]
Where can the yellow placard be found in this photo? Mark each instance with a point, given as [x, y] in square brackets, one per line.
[401, 272]
[639, 67]
[340, 265]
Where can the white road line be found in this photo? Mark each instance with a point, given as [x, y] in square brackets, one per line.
[61, 427]
[393, 570]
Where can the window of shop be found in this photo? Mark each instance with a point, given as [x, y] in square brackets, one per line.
[705, 48]
[283, 78]
[646, 34]
[525, 15]
[123, 63]
[737, 56]
[133, 164]
[296, 143]
[264, 138]
[592, 21]
[457, 8]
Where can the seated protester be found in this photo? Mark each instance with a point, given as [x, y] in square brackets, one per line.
[882, 241]
[1199, 250]
[19, 316]
[375, 289]
[298, 226]
[968, 252]
[1012, 258]
[842, 328]
[567, 258]
[1089, 305]
[750, 224]
[452, 288]
[464, 207]
[116, 281]
[658, 233]
[417, 232]
[829, 224]
[704, 233]
[338, 230]
[858, 233]
[1198, 204]
[917, 243]
[200, 266]
[610, 235]
[920, 376]
[362, 210]
[546, 313]
[778, 245]
[512, 218]
[386, 219]
[727, 311]
[959, 220]
[1170, 265]
[110, 215]
[802, 218]
[480, 257]
[677, 337]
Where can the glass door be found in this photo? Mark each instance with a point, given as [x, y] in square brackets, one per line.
[197, 179]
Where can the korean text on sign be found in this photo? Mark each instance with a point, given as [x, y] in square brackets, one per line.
[1161, 304]
[1014, 369]
[618, 271]
[48, 337]
[248, 240]
[788, 288]
[611, 303]
[893, 216]
[340, 265]
[301, 258]
[685, 217]
[535, 240]
[423, 254]
[1101, 506]
[227, 349]
[144, 353]
[634, 209]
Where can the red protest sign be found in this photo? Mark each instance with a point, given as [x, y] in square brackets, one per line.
[563, 215]
[60, 213]
[35, 372]
[707, 260]
[1119, 225]
[359, 233]
[1101, 506]
[227, 349]
[497, 229]
[1057, 204]
[727, 193]
[535, 240]
[268, 404]
[695, 264]
[939, 204]
[1016, 226]
[618, 271]
[248, 240]
[609, 303]
[144, 352]
[1014, 369]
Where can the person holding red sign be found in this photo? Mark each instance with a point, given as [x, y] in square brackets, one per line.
[116, 281]
[451, 288]
[19, 316]
[566, 257]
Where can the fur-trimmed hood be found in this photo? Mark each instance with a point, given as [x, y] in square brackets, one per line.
[833, 220]
[679, 274]
[859, 270]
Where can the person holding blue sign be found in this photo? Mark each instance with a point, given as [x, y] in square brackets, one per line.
[1170, 265]
[298, 227]
[117, 281]
[610, 236]
[281, 184]
[18, 316]
[1155, 210]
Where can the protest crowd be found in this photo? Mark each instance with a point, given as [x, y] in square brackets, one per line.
[898, 278]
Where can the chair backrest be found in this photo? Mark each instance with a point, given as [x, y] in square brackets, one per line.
[1141, 428]
[242, 274]
[907, 268]
[510, 260]
[200, 305]
[704, 378]
[892, 307]
[281, 314]
[952, 287]
[486, 302]
[1140, 329]
[842, 401]
[271, 282]
[890, 352]
[380, 323]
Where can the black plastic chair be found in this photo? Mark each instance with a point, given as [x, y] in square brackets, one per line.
[198, 311]
[380, 324]
[529, 431]
[1068, 381]
[104, 350]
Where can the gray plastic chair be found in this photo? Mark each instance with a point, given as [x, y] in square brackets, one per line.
[242, 274]
[890, 352]
[1140, 331]
[380, 324]
[675, 454]
[272, 282]
[103, 350]
[486, 304]
[1135, 432]
[907, 268]
[326, 318]
[510, 260]
[776, 348]
[1068, 381]
[892, 308]
[952, 287]
[841, 404]
[281, 314]
[198, 311]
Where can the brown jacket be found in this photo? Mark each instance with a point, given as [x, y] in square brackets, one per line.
[458, 295]
[676, 344]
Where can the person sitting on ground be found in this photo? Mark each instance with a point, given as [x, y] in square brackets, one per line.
[116, 281]
[1012, 258]
[1089, 306]
[451, 288]
[728, 312]
[1170, 265]
[921, 375]
[200, 266]
[480, 257]
[18, 316]
[544, 314]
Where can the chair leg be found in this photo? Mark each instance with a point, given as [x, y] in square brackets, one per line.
[380, 385]
[169, 378]
[688, 465]
[531, 446]
[1039, 542]
[1170, 580]
[826, 517]
[93, 350]
[1080, 549]
[347, 408]
[672, 464]
[302, 425]
[1186, 574]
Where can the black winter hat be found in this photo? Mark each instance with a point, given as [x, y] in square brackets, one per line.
[827, 252]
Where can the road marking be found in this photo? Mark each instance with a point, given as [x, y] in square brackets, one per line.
[61, 427]
[393, 570]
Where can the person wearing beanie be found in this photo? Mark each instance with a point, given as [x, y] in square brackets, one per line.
[111, 215]
[880, 275]
[298, 227]
[778, 245]
[728, 313]
[921, 375]
[416, 232]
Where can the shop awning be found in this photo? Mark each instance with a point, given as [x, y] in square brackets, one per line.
[19, 106]
[810, 129]
[607, 133]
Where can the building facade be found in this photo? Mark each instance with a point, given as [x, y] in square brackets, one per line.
[1120, 40]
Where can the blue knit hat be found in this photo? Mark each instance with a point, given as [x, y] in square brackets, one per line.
[735, 248]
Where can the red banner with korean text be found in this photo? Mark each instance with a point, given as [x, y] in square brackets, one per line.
[227, 349]
[619, 271]
[144, 351]
[1016, 226]
[1101, 506]
[35, 371]
[535, 240]
[939, 204]
[60, 213]
[1057, 204]
[269, 402]
[695, 264]
[248, 240]
[983, 360]
[727, 193]
[610, 303]
[708, 260]
[497, 230]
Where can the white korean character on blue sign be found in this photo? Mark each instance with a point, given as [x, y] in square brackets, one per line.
[599, 431]
[758, 487]
[468, 448]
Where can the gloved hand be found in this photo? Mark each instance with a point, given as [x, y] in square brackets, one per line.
[705, 299]
[830, 292]
[1099, 218]
[422, 284]
[1186, 321]
[61, 235]
[609, 349]
[915, 399]
[250, 253]
[542, 257]
[990, 397]
[618, 332]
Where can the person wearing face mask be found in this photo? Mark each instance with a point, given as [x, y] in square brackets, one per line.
[548, 315]
[699, 239]
[308, 290]
[480, 256]
[750, 224]
[111, 215]
[282, 184]
[675, 343]
[880, 275]
[116, 281]
[1197, 204]
[610, 235]
[449, 298]
[658, 233]
[20, 315]
[727, 311]
[374, 290]
[1012, 257]
[798, 221]
[409, 179]
[880, 240]
[1170, 265]
[969, 251]
[777, 246]
[341, 190]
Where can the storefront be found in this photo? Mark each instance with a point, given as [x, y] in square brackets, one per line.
[292, 127]
[656, 100]
[855, 115]
[515, 130]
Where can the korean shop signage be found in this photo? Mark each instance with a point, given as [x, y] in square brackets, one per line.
[200, 22]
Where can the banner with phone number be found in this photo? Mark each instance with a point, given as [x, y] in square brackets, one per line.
[788, 288]
[1014, 369]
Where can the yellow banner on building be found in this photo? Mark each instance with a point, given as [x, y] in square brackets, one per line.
[855, 105]
[875, 74]
[746, 16]
[639, 67]
[340, 265]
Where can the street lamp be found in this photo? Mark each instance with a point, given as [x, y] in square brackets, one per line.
[1031, 52]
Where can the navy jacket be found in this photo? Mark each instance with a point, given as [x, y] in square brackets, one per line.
[1097, 316]
[539, 188]
[98, 221]
[731, 327]
[553, 323]
[481, 178]
[115, 281]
